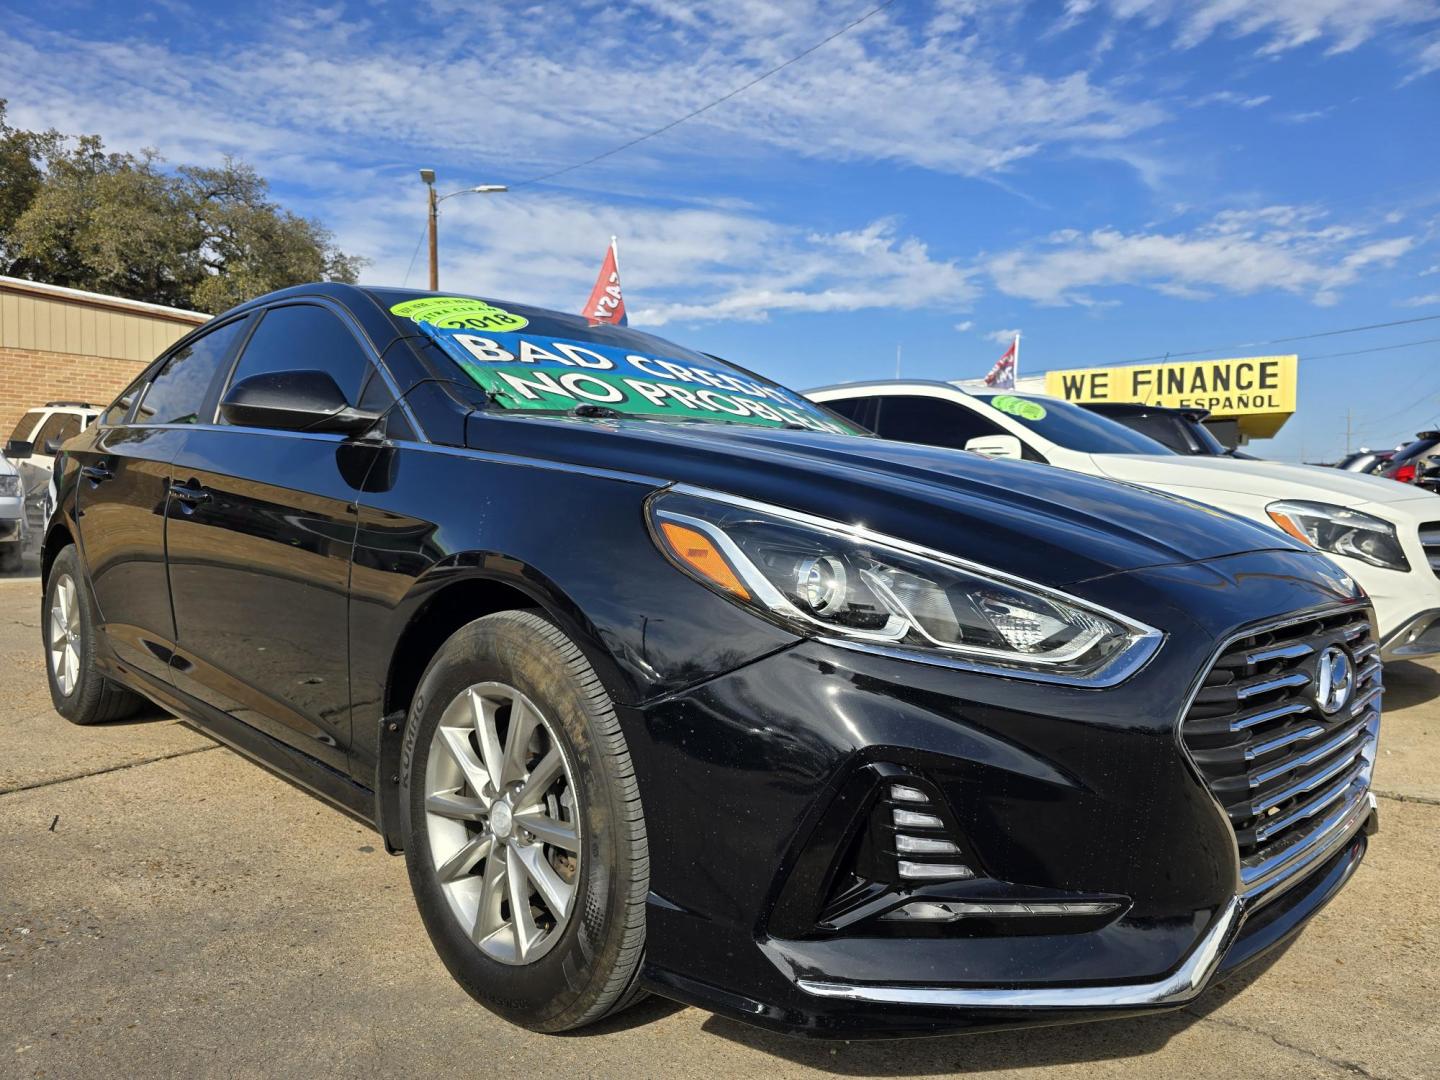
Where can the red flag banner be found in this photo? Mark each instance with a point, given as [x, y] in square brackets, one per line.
[1002, 375]
[607, 302]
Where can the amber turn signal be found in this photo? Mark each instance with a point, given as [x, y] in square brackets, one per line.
[696, 550]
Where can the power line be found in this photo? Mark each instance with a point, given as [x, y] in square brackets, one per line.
[707, 107]
[411, 265]
[1284, 341]
[1375, 349]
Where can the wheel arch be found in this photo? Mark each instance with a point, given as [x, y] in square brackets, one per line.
[56, 540]
[450, 595]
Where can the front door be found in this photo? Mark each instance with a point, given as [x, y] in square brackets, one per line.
[261, 530]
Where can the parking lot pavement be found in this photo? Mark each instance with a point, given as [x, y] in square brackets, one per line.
[168, 908]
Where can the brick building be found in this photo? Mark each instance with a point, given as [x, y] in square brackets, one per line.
[65, 344]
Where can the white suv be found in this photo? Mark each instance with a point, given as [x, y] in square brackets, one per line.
[1385, 534]
[46, 429]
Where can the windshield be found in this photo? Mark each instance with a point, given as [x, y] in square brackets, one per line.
[532, 360]
[1179, 433]
[25, 426]
[1071, 426]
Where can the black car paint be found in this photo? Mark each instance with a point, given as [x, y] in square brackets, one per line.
[349, 558]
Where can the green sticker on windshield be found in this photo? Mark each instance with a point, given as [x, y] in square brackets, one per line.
[1015, 406]
[459, 313]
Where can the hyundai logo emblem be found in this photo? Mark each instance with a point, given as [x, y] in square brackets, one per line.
[1334, 679]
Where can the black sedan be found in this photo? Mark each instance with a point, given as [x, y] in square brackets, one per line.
[664, 678]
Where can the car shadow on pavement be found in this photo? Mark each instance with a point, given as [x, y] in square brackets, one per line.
[1026, 1048]
[1408, 683]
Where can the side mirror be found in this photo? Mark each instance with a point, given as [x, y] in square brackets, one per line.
[996, 446]
[19, 449]
[294, 401]
[52, 447]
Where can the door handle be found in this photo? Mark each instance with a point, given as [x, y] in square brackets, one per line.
[191, 495]
[96, 473]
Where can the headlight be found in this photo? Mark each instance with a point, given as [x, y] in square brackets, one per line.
[855, 589]
[1338, 530]
[9, 485]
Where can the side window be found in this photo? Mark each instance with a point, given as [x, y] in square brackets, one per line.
[26, 426]
[306, 337]
[930, 420]
[179, 391]
[58, 428]
[860, 410]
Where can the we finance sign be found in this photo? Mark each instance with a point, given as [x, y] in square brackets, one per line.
[1239, 387]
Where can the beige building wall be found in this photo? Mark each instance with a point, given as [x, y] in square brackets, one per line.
[65, 344]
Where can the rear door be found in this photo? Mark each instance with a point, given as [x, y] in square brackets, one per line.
[123, 490]
[261, 528]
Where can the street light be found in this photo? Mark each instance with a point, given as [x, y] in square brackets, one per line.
[428, 176]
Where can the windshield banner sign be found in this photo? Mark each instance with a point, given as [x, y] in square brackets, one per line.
[528, 371]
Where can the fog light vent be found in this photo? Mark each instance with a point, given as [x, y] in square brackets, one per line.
[911, 831]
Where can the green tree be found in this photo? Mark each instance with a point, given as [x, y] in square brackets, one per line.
[205, 238]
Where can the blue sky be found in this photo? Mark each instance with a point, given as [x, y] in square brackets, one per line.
[1115, 178]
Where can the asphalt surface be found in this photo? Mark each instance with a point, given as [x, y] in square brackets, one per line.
[168, 908]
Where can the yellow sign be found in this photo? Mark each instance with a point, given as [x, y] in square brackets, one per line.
[1258, 391]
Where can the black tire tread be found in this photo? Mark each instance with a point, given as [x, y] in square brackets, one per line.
[622, 987]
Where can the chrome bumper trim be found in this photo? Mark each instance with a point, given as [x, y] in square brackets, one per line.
[1184, 984]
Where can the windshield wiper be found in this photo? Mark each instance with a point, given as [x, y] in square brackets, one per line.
[596, 412]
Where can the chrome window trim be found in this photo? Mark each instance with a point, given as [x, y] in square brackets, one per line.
[1143, 647]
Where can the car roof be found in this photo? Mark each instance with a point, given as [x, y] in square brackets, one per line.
[1136, 408]
[932, 384]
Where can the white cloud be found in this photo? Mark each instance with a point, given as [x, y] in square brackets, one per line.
[501, 90]
[677, 265]
[1242, 252]
[1304, 116]
[1231, 97]
[1429, 300]
[1338, 25]
[1001, 337]
[965, 326]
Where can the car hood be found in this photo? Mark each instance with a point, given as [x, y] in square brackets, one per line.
[1268, 479]
[1046, 524]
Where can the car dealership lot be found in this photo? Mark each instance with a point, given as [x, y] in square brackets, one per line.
[167, 907]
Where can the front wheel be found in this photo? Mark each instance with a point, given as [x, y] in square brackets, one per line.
[523, 831]
[11, 555]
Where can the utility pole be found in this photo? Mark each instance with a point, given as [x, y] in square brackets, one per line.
[1347, 432]
[428, 175]
[433, 208]
[897, 360]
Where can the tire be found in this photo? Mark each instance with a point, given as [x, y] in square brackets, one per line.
[81, 694]
[586, 964]
[11, 554]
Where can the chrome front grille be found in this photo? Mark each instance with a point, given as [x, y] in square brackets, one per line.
[1290, 777]
[1430, 541]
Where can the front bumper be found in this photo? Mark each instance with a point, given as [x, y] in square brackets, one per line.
[1061, 791]
[1236, 938]
[1416, 636]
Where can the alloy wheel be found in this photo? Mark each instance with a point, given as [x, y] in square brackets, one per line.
[65, 635]
[503, 818]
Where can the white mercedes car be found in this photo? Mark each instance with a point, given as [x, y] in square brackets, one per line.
[1385, 534]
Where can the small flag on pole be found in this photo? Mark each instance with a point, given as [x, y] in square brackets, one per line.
[1002, 375]
[607, 303]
